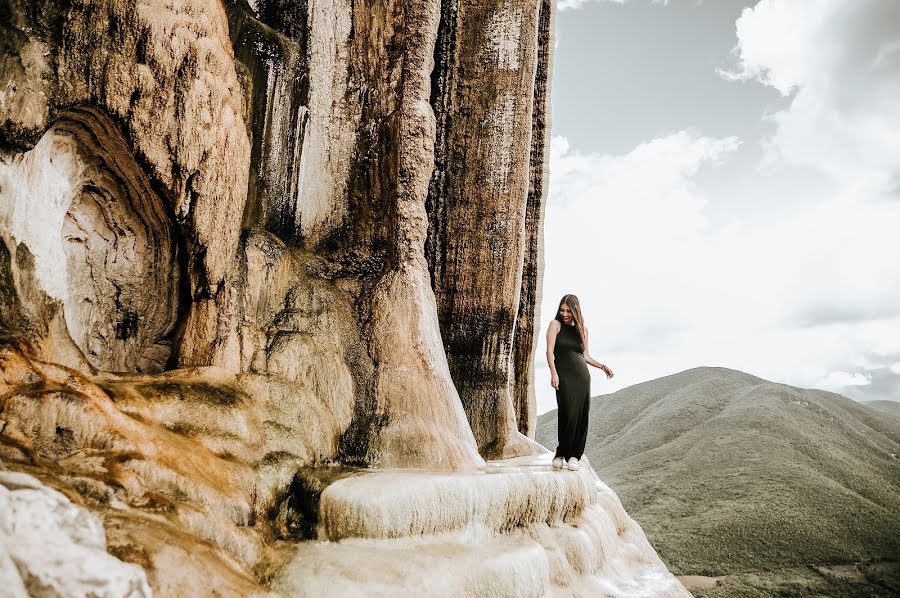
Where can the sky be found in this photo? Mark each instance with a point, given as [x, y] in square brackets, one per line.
[725, 190]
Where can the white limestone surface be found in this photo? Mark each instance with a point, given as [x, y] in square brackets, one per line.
[36, 190]
[395, 503]
[513, 528]
[331, 126]
[51, 547]
[462, 564]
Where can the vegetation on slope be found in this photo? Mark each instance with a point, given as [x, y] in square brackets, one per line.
[728, 473]
[889, 407]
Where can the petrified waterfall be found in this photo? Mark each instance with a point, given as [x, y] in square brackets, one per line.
[268, 276]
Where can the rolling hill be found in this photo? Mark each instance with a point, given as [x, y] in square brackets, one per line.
[776, 487]
[889, 407]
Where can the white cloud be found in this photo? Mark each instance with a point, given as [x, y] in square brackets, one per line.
[803, 289]
[630, 220]
[841, 62]
[792, 299]
[574, 4]
[839, 380]
[621, 232]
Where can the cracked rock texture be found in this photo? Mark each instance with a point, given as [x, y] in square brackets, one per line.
[249, 250]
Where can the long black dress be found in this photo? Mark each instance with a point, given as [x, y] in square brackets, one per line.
[574, 393]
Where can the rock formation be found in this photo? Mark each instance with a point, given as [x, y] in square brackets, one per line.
[67, 557]
[247, 249]
[484, 207]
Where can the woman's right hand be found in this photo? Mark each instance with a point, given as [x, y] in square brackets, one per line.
[554, 381]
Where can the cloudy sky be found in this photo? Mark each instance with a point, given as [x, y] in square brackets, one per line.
[725, 190]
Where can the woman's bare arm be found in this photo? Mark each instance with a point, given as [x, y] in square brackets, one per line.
[591, 360]
[552, 331]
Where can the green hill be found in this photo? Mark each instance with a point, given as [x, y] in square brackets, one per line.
[730, 474]
[888, 407]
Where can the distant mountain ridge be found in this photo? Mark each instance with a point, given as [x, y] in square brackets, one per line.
[727, 472]
[889, 407]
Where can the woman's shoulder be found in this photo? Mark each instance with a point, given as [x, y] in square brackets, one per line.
[554, 325]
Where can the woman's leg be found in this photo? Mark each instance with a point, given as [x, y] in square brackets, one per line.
[581, 427]
[568, 414]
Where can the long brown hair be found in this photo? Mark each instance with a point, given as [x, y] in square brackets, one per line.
[575, 306]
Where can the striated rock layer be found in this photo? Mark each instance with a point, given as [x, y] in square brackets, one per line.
[515, 528]
[484, 205]
[248, 248]
[98, 235]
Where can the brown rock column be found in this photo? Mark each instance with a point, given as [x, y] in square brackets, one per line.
[525, 339]
[485, 224]
[414, 394]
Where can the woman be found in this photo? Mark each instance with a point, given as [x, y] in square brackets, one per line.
[568, 356]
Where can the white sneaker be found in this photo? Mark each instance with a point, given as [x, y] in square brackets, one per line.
[573, 464]
[558, 463]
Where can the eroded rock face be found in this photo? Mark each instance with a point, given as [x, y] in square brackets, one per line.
[298, 328]
[332, 138]
[100, 237]
[183, 463]
[242, 242]
[167, 71]
[525, 338]
[53, 415]
[415, 397]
